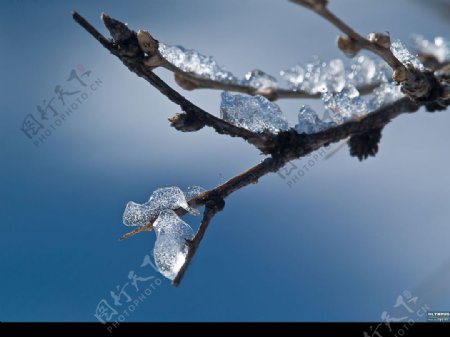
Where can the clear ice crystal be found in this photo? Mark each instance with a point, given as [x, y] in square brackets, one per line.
[259, 79]
[316, 76]
[404, 56]
[255, 113]
[163, 198]
[308, 121]
[439, 47]
[170, 247]
[192, 61]
[345, 105]
[320, 76]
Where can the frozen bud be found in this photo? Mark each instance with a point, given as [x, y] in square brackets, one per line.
[186, 122]
[118, 30]
[380, 39]
[348, 45]
[147, 43]
[399, 74]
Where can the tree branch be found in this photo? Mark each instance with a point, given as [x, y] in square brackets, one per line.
[137, 52]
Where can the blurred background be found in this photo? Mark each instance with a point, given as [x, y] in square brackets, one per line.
[345, 242]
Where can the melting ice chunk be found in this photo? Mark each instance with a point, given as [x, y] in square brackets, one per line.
[404, 56]
[161, 199]
[259, 79]
[169, 223]
[170, 247]
[254, 113]
[168, 197]
[308, 121]
[137, 214]
[345, 105]
[439, 47]
[192, 61]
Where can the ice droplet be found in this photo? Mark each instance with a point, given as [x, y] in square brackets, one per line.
[308, 121]
[192, 61]
[404, 56]
[170, 247]
[163, 198]
[259, 79]
[439, 47]
[255, 113]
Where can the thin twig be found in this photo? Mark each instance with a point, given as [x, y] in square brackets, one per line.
[415, 83]
[190, 81]
[320, 7]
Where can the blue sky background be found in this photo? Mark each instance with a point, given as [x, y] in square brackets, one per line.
[340, 245]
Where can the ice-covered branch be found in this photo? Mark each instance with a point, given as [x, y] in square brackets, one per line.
[261, 122]
[189, 81]
[417, 83]
[291, 146]
[126, 47]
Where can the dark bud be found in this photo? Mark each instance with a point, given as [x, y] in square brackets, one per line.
[365, 144]
[186, 122]
[124, 37]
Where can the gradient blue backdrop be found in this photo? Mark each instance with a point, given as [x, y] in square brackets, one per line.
[340, 245]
